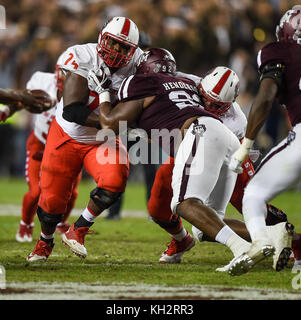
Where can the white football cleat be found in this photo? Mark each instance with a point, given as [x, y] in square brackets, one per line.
[243, 263]
[281, 236]
[74, 239]
[226, 268]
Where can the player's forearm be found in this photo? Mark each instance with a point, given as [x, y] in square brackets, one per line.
[10, 97]
[261, 108]
[257, 117]
[106, 119]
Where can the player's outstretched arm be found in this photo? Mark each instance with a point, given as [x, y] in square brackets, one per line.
[16, 100]
[259, 112]
[261, 107]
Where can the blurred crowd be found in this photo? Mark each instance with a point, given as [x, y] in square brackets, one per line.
[201, 34]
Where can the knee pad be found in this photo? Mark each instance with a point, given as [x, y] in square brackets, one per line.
[47, 218]
[104, 198]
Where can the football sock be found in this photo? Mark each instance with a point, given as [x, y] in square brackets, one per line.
[86, 219]
[48, 238]
[233, 241]
[180, 235]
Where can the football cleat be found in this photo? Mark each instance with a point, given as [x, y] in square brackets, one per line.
[75, 239]
[62, 227]
[282, 235]
[227, 267]
[24, 233]
[176, 249]
[243, 263]
[41, 252]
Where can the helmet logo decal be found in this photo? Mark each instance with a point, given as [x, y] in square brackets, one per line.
[219, 86]
[126, 27]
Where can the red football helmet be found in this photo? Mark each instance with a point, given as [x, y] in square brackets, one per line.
[289, 28]
[156, 60]
[219, 89]
[118, 41]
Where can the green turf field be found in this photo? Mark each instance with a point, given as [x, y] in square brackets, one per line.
[128, 250]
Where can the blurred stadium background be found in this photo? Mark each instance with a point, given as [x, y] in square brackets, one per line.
[201, 34]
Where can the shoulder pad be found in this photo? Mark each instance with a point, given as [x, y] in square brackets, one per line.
[274, 71]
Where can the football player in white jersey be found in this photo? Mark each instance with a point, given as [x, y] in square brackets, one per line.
[45, 85]
[72, 142]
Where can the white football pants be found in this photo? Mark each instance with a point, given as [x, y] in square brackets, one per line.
[201, 165]
[278, 171]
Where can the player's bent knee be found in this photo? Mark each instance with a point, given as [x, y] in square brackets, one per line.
[104, 198]
[47, 218]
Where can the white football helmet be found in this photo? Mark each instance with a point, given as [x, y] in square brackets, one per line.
[118, 41]
[219, 89]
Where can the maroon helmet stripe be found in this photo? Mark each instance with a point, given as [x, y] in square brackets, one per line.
[126, 27]
[219, 86]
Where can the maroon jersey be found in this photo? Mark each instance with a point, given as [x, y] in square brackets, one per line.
[289, 94]
[176, 100]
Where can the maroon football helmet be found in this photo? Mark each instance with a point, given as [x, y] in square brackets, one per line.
[156, 60]
[289, 28]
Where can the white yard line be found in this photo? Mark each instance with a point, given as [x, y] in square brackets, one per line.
[137, 291]
[15, 210]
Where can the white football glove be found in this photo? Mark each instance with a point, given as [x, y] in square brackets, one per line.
[240, 155]
[98, 79]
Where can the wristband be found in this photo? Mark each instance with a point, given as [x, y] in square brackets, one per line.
[104, 97]
[247, 143]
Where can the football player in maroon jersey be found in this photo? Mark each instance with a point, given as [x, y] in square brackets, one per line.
[224, 105]
[279, 64]
[155, 98]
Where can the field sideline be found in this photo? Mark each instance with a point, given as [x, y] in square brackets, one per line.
[123, 255]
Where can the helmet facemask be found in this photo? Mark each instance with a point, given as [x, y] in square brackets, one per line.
[117, 42]
[210, 104]
[112, 57]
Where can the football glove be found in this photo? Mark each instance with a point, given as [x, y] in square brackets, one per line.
[240, 155]
[98, 80]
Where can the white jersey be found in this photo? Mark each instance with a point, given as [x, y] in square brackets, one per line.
[43, 81]
[235, 120]
[80, 59]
